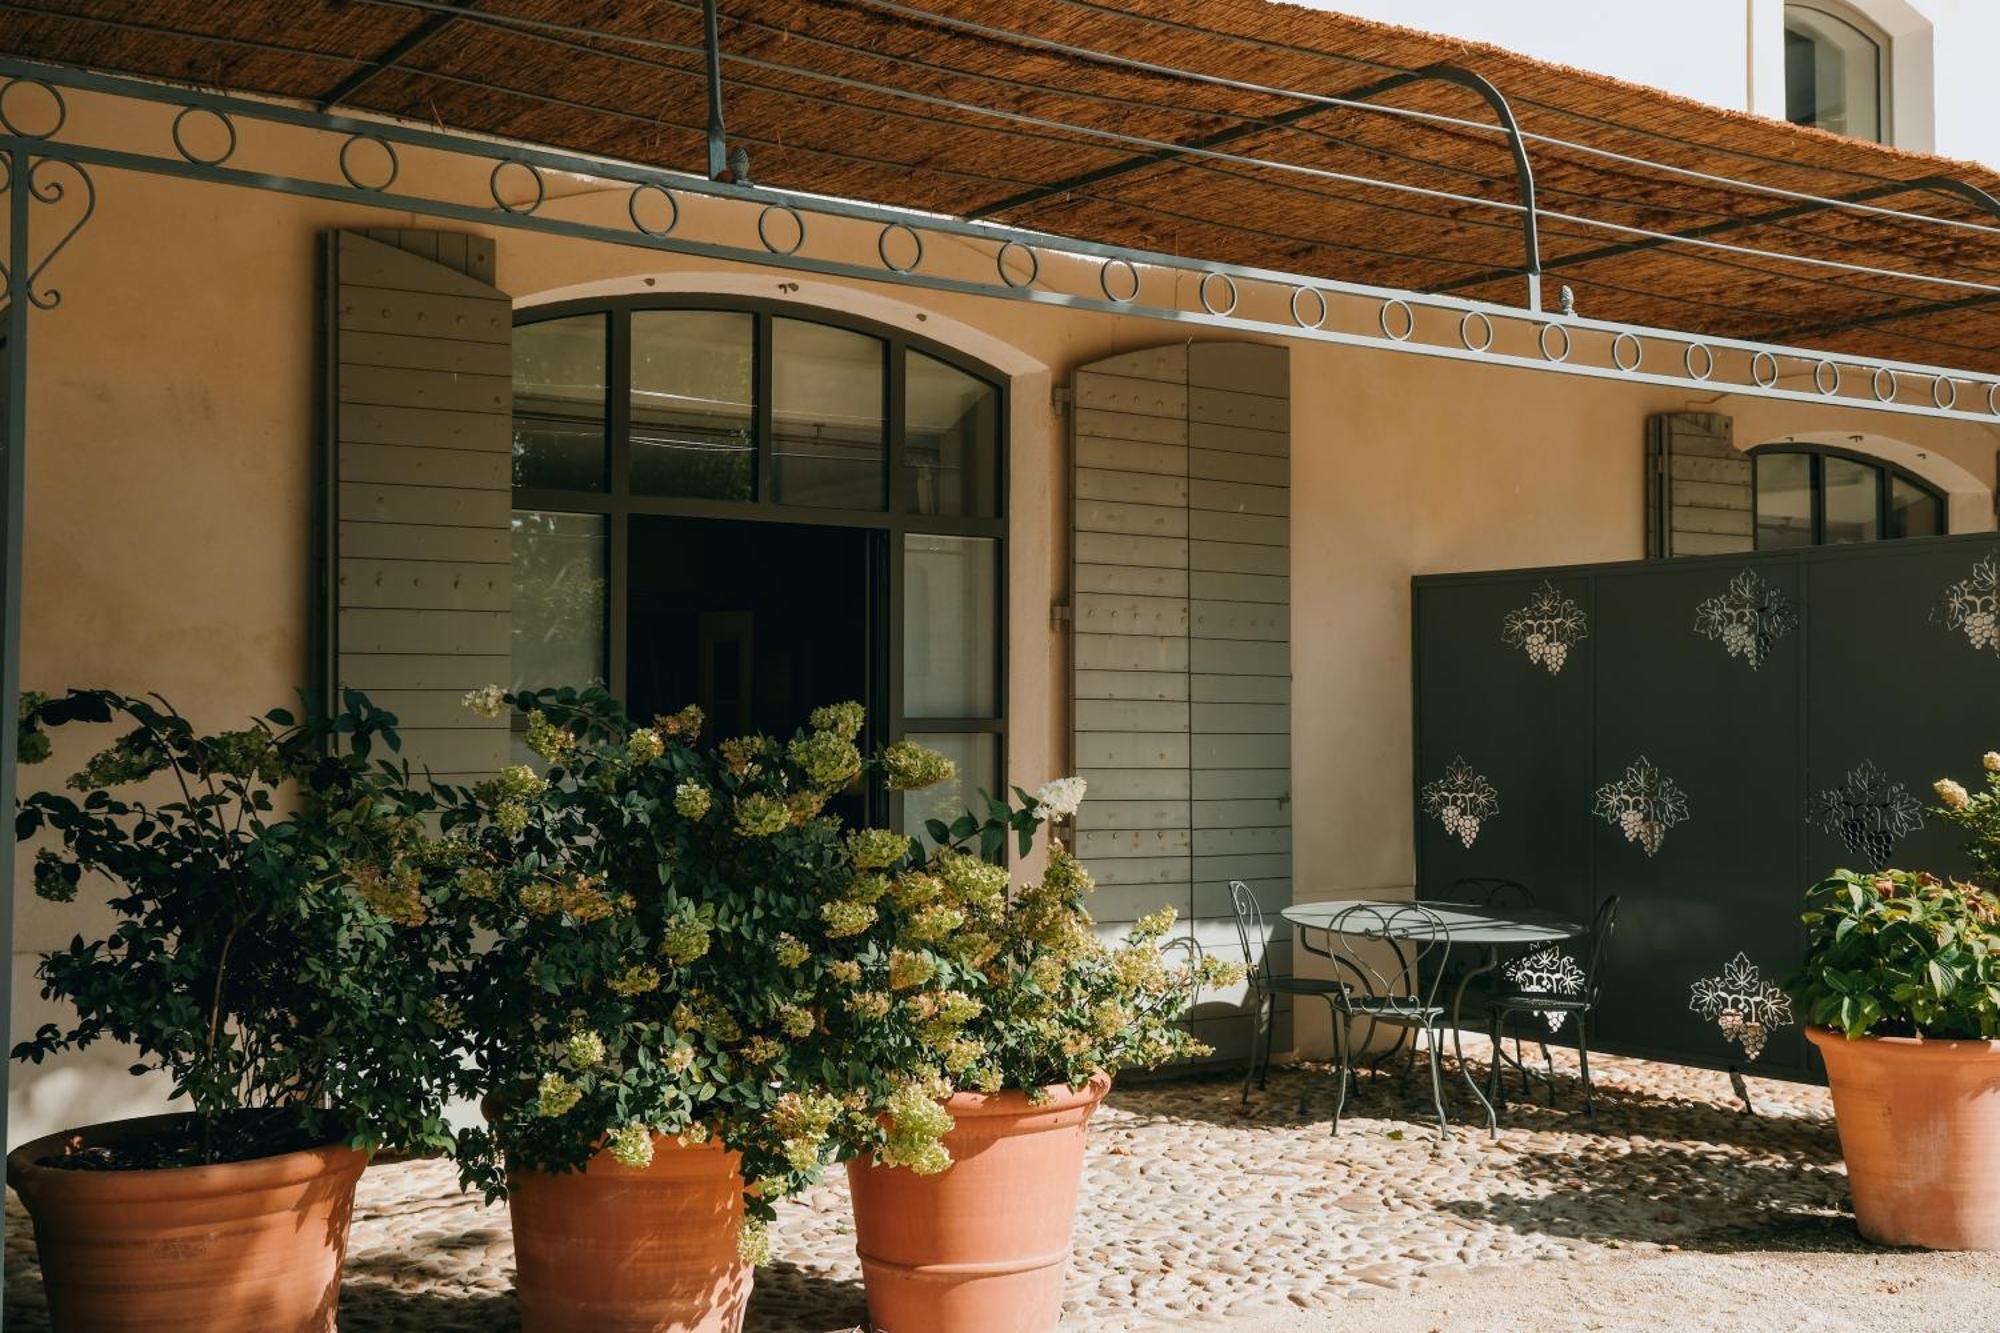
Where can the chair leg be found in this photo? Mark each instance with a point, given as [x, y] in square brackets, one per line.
[1333, 1026]
[1437, 1081]
[1270, 1035]
[1343, 1038]
[1549, 1070]
[1496, 1033]
[1256, 1017]
[1583, 1062]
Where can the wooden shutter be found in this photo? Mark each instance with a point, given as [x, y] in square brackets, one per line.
[1182, 625]
[1700, 490]
[419, 347]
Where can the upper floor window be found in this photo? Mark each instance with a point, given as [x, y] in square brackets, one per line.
[1821, 497]
[1836, 70]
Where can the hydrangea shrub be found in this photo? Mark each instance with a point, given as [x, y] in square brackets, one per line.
[1897, 953]
[275, 953]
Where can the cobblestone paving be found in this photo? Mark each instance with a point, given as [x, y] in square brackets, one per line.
[1195, 1207]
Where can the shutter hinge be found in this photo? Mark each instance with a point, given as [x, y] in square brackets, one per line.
[1061, 396]
[1061, 615]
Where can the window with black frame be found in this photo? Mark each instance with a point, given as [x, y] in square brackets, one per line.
[760, 507]
[1824, 497]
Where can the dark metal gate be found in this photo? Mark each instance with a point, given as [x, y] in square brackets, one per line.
[1703, 737]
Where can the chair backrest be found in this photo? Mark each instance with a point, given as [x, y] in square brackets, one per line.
[1250, 931]
[1183, 944]
[1600, 938]
[1481, 891]
[1367, 935]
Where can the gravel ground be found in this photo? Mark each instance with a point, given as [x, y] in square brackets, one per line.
[1674, 1210]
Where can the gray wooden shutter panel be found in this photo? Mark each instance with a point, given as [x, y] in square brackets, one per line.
[1182, 674]
[419, 378]
[1700, 490]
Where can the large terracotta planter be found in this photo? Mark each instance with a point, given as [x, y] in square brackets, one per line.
[620, 1249]
[980, 1247]
[243, 1247]
[1920, 1129]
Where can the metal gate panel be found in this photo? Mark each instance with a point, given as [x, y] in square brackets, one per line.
[1704, 738]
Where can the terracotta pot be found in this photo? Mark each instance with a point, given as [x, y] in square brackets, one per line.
[982, 1246]
[243, 1247]
[1920, 1129]
[620, 1249]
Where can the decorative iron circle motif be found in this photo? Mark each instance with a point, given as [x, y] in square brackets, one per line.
[882, 247]
[1409, 319]
[1820, 370]
[1993, 398]
[1104, 280]
[764, 228]
[1543, 339]
[55, 96]
[1707, 361]
[1034, 264]
[1209, 305]
[1875, 383]
[1944, 392]
[1758, 362]
[1622, 341]
[673, 207]
[1316, 295]
[389, 149]
[1465, 327]
[493, 186]
[180, 140]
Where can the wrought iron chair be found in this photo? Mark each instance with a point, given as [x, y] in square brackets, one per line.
[1403, 992]
[1553, 993]
[1265, 985]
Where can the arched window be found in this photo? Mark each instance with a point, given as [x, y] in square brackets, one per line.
[760, 508]
[1836, 70]
[1814, 496]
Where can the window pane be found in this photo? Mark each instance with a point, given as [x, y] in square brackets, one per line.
[951, 628]
[977, 755]
[559, 403]
[1784, 500]
[1913, 511]
[1853, 501]
[559, 599]
[1833, 74]
[950, 440]
[829, 447]
[692, 377]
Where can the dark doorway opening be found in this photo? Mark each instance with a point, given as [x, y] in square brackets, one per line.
[758, 623]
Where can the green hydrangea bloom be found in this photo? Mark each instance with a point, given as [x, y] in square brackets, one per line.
[876, 848]
[912, 767]
[760, 816]
[843, 719]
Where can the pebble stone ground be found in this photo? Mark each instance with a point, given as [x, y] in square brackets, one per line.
[1197, 1208]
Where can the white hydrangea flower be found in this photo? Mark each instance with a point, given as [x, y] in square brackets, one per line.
[1062, 798]
[489, 701]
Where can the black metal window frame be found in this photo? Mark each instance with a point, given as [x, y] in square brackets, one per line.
[890, 526]
[1818, 454]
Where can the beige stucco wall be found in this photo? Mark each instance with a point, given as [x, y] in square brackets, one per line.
[171, 411]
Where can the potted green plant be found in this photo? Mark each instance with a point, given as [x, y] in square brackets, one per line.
[664, 921]
[275, 958]
[982, 1026]
[1901, 992]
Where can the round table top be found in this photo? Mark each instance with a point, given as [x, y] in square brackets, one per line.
[1464, 924]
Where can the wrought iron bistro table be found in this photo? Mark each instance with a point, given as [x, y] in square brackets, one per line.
[1489, 929]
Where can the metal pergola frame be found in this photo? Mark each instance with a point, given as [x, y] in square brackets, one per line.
[46, 175]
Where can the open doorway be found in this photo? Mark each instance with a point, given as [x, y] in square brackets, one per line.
[759, 623]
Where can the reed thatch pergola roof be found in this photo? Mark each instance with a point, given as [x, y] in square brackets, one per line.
[1059, 114]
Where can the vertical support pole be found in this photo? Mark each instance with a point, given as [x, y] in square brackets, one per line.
[718, 164]
[12, 485]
